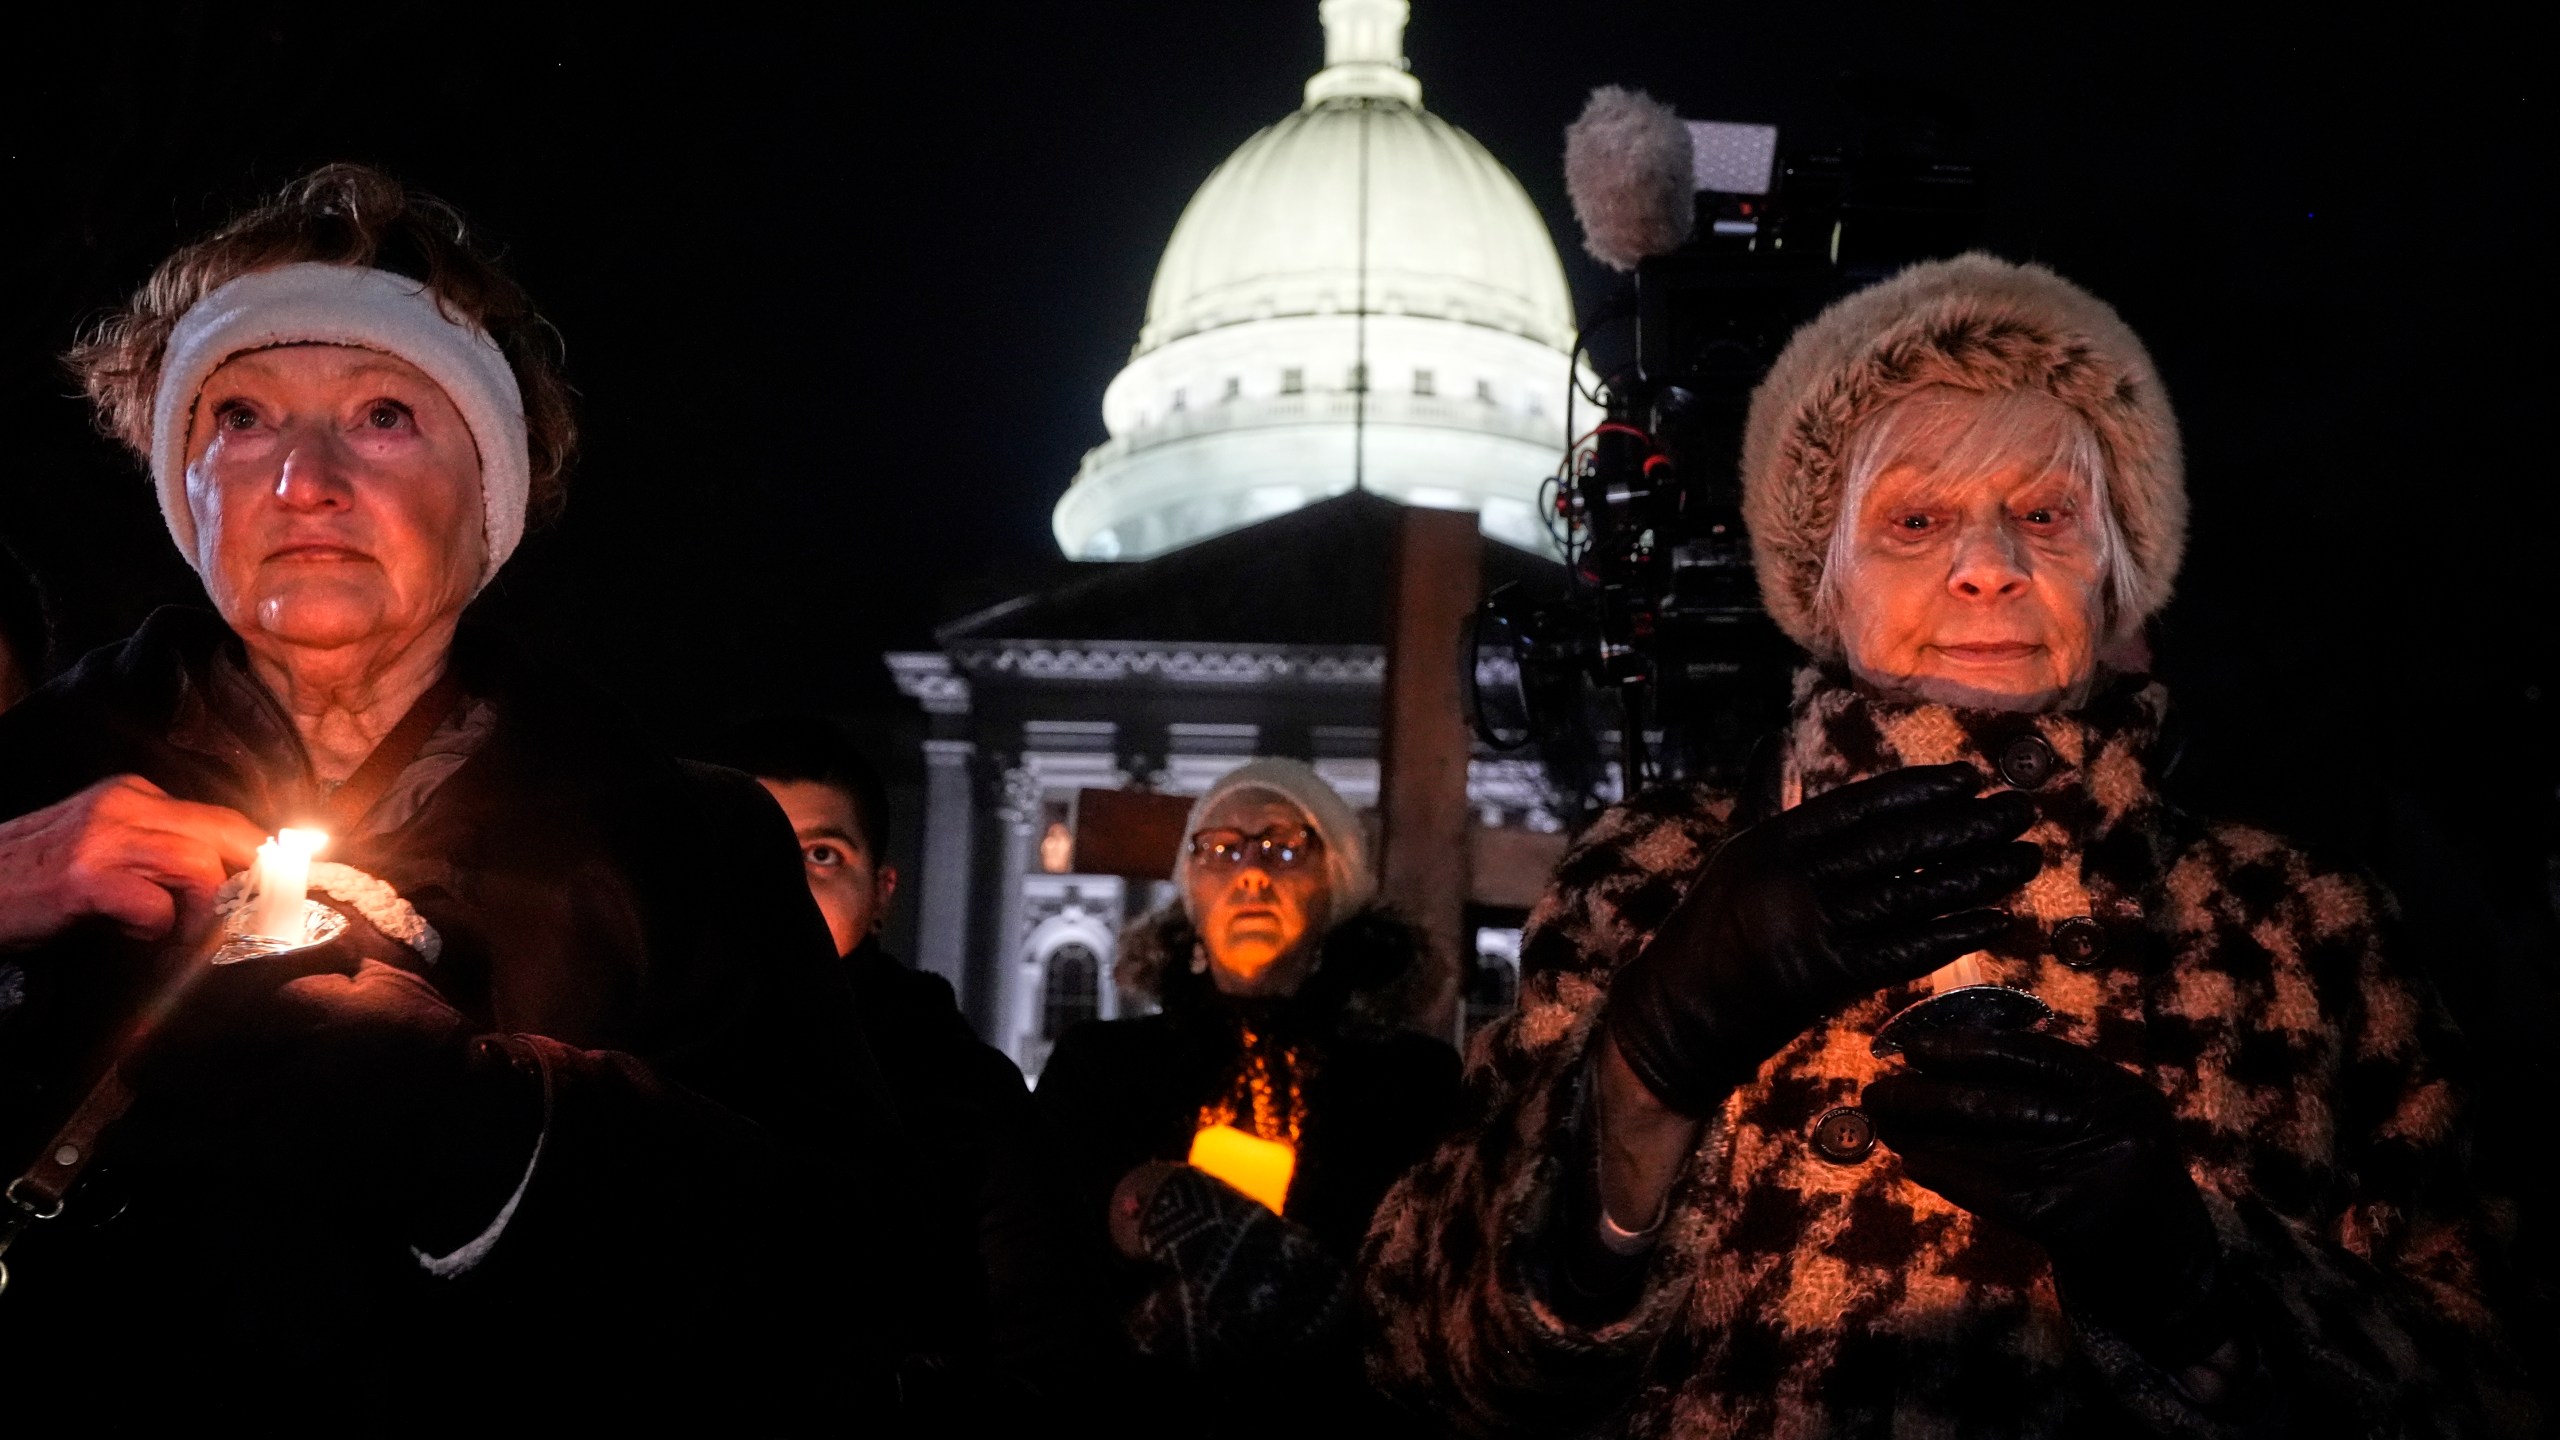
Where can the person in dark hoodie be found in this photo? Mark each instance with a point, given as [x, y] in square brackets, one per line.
[1284, 988]
[1007, 1332]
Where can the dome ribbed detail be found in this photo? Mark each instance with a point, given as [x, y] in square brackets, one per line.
[1276, 231]
[1361, 296]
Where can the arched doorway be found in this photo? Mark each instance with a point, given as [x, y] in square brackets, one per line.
[1070, 990]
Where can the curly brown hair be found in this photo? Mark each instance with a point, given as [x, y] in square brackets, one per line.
[339, 215]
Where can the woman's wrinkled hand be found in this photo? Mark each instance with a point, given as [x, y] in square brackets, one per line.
[123, 851]
[341, 1036]
[361, 1081]
[1870, 885]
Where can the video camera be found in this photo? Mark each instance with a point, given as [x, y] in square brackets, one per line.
[1732, 244]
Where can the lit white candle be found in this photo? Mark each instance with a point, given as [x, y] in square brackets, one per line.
[284, 880]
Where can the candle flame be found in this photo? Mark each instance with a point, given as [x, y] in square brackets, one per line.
[309, 842]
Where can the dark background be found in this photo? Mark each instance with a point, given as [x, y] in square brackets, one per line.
[842, 293]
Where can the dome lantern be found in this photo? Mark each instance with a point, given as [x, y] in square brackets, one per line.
[1364, 53]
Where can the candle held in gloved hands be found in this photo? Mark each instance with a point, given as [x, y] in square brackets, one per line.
[1258, 1167]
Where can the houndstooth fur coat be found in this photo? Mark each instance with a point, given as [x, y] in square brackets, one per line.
[1793, 1296]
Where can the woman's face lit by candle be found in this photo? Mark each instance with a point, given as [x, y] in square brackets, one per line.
[1982, 588]
[336, 495]
[1259, 921]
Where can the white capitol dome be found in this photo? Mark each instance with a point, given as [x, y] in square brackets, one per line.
[1360, 233]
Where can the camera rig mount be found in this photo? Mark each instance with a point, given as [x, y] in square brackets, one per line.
[1660, 635]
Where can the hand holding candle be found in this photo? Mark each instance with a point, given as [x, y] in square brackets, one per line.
[122, 851]
[1875, 883]
[282, 885]
[1258, 1170]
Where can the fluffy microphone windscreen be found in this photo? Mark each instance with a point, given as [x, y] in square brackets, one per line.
[1628, 165]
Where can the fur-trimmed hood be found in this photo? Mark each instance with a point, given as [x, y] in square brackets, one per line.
[1368, 967]
[1977, 323]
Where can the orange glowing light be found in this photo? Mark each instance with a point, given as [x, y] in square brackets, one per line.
[283, 881]
[1258, 1167]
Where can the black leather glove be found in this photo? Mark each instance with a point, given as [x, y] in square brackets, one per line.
[2081, 1156]
[1809, 910]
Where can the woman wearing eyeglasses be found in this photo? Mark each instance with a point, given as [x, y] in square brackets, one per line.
[1279, 1060]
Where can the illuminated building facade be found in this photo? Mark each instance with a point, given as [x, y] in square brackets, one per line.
[1359, 310]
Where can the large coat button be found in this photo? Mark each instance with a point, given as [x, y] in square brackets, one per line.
[1843, 1135]
[2028, 761]
[2079, 941]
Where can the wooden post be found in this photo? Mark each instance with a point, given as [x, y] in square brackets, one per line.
[1422, 779]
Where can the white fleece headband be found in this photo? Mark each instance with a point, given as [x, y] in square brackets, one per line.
[1346, 846]
[316, 304]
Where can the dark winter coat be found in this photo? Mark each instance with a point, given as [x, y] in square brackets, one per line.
[1793, 1296]
[715, 1142]
[1375, 1096]
[1010, 1329]
[1123, 1092]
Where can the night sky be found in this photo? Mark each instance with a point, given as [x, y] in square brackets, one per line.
[841, 295]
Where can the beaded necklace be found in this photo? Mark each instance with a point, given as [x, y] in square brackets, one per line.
[1272, 1107]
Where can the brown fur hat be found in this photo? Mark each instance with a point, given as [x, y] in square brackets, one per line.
[1979, 323]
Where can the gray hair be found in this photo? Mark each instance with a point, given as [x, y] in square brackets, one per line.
[1967, 436]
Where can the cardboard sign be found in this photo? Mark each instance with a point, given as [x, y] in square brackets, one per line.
[1129, 832]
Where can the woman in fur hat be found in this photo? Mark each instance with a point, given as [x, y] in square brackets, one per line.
[2216, 1191]
[1283, 989]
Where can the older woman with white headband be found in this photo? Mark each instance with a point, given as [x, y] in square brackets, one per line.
[2167, 1146]
[569, 1092]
